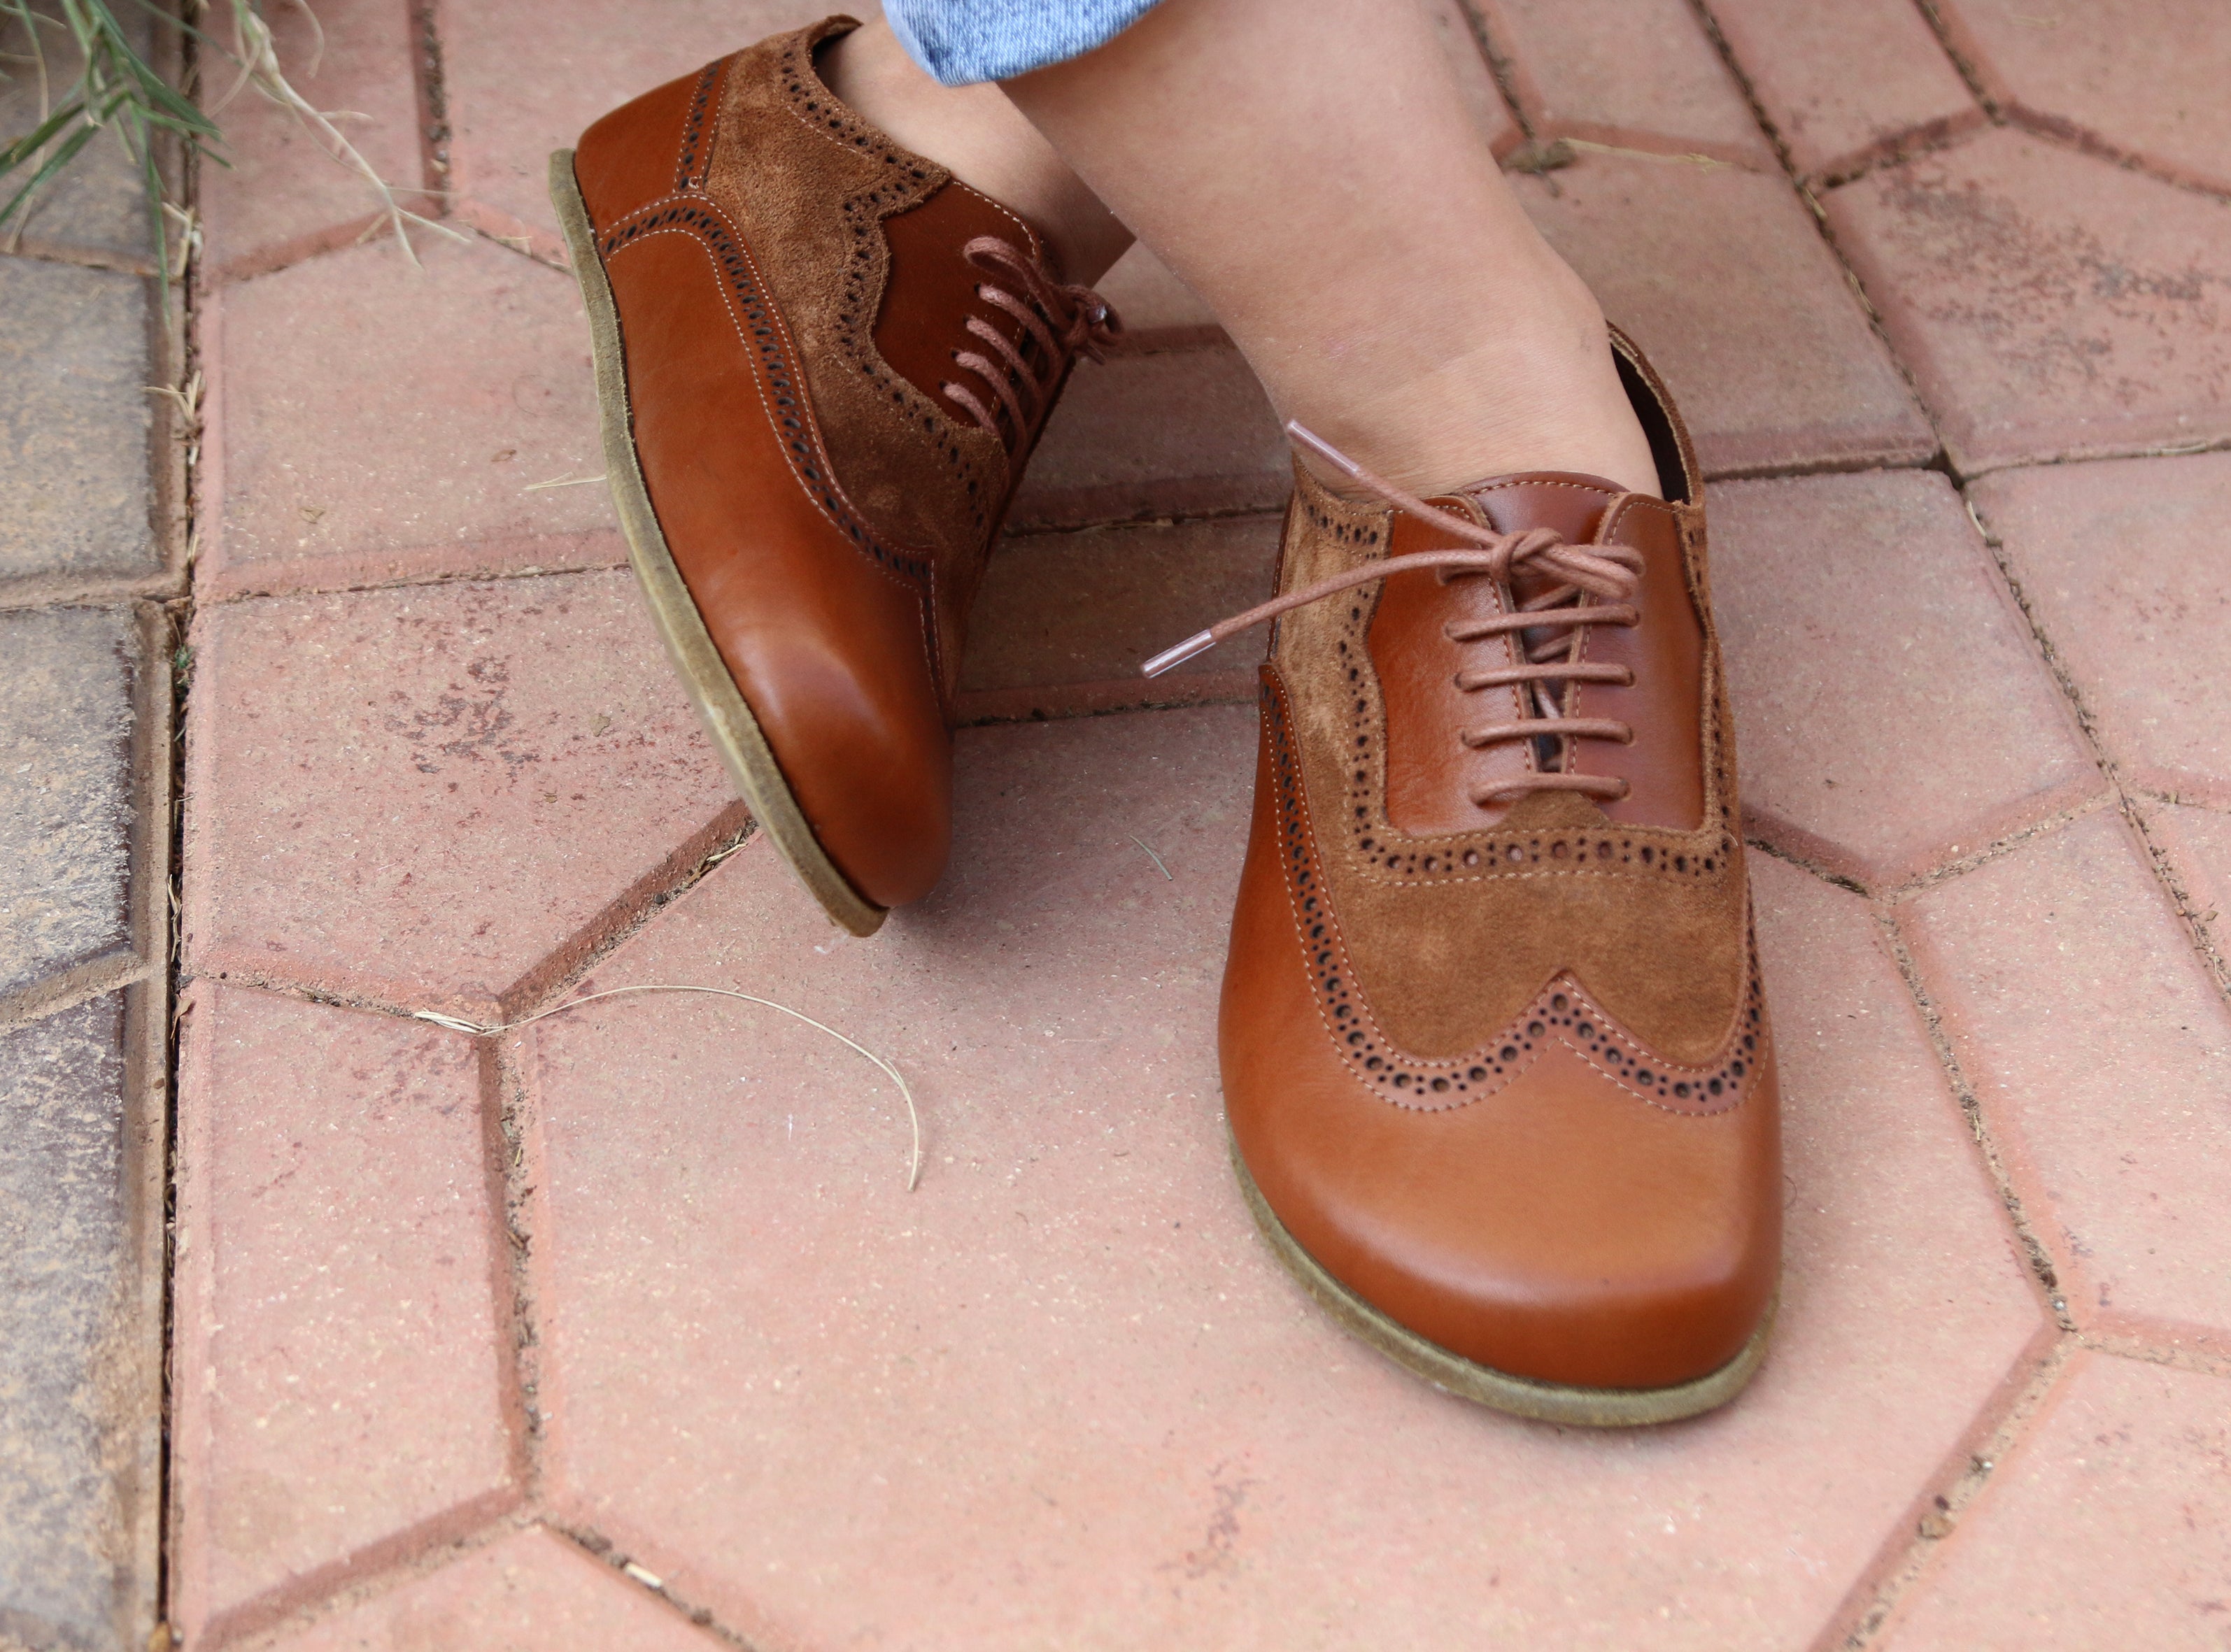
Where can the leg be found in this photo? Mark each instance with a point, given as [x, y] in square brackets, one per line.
[1312, 174]
[1494, 1056]
[980, 138]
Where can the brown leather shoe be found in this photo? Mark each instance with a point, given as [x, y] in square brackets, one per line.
[1500, 1084]
[821, 363]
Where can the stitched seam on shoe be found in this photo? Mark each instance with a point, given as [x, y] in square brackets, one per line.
[805, 399]
[1495, 842]
[701, 203]
[700, 127]
[1503, 486]
[898, 577]
[858, 331]
[1712, 839]
[793, 70]
[1030, 236]
[1613, 519]
[805, 483]
[1749, 1009]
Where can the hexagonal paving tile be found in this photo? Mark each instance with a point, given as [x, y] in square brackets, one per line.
[285, 193]
[1891, 711]
[376, 421]
[2198, 844]
[2095, 1041]
[2051, 306]
[1847, 84]
[2121, 566]
[1061, 1394]
[524, 77]
[437, 796]
[2110, 1526]
[532, 1592]
[1624, 72]
[344, 1383]
[1723, 277]
[2144, 77]
[1064, 619]
[1165, 434]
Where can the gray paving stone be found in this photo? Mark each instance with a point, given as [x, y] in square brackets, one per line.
[75, 419]
[66, 795]
[68, 1421]
[99, 203]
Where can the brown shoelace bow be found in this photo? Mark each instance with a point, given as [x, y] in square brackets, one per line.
[1065, 320]
[1552, 626]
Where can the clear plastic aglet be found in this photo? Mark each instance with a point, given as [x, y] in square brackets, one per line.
[1199, 642]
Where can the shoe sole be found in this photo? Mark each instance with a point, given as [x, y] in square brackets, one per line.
[1595, 1408]
[727, 716]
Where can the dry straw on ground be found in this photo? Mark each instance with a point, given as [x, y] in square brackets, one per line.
[118, 91]
[913, 1118]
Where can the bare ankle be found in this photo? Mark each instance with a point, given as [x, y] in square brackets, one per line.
[981, 139]
[1543, 393]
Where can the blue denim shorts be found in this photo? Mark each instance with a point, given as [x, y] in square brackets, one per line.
[961, 41]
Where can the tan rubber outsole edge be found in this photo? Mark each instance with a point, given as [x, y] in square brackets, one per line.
[727, 718]
[1594, 1408]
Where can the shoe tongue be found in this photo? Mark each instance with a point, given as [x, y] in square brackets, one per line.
[1571, 503]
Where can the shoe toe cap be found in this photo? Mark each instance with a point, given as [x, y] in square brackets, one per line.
[872, 771]
[1562, 1230]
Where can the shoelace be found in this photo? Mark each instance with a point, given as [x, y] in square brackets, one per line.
[1551, 625]
[1065, 321]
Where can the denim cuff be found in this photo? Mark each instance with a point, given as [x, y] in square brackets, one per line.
[963, 42]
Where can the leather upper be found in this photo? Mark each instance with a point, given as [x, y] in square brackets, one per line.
[788, 282]
[1505, 1070]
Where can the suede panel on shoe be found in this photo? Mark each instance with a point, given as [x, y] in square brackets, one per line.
[1459, 929]
[1502, 1067]
[810, 184]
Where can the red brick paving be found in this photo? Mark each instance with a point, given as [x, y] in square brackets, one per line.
[2111, 1527]
[1064, 619]
[2197, 842]
[278, 200]
[1059, 1396]
[341, 377]
[419, 796]
[1721, 277]
[532, 1592]
[1847, 84]
[1177, 432]
[524, 77]
[1893, 710]
[1639, 74]
[2051, 306]
[2142, 77]
[2096, 1042]
[343, 1362]
[2106, 556]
